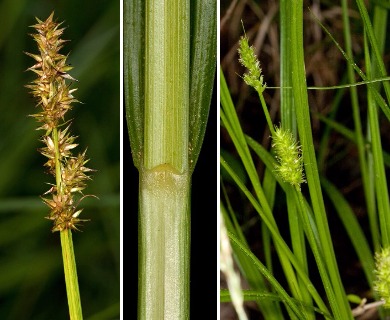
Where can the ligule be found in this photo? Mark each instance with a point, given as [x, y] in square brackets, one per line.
[55, 98]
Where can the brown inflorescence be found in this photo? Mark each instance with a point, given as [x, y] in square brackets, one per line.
[54, 98]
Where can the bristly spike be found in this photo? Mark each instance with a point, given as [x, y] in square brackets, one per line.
[288, 155]
[54, 96]
[249, 60]
[382, 275]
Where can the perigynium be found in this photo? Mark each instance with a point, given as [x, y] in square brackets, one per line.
[55, 98]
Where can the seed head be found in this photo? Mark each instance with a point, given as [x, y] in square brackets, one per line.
[51, 92]
[288, 155]
[54, 97]
[249, 60]
[382, 273]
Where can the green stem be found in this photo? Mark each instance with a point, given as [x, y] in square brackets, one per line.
[72, 286]
[164, 244]
[298, 244]
[70, 270]
[376, 153]
[164, 214]
[369, 192]
[340, 304]
[287, 108]
[267, 115]
[167, 83]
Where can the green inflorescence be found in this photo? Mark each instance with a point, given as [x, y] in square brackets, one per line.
[382, 273]
[288, 155]
[249, 60]
[55, 98]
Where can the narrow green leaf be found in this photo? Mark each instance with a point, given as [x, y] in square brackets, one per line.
[378, 175]
[249, 295]
[378, 98]
[202, 71]
[340, 306]
[295, 307]
[372, 35]
[353, 228]
[282, 247]
[376, 34]
[134, 77]
[287, 108]
[231, 122]
[349, 134]
[250, 272]
[253, 295]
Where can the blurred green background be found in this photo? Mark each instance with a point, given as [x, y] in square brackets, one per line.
[31, 272]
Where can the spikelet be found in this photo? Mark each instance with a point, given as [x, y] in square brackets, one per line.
[54, 99]
[382, 275]
[249, 60]
[288, 155]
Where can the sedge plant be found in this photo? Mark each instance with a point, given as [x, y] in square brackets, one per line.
[294, 168]
[54, 96]
[169, 61]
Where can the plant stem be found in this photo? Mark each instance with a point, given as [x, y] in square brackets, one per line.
[166, 84]
[55, 97]
[376, 154]
[287, 108]
[339, 305]
[164, 244]
[72, 286]
[368, 187]
[70, 270]
[164, 218]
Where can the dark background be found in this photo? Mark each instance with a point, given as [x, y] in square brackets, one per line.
[204, 245]
[31, 273]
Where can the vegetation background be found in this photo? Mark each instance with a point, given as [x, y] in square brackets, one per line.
[325, 66]
[32, 282]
